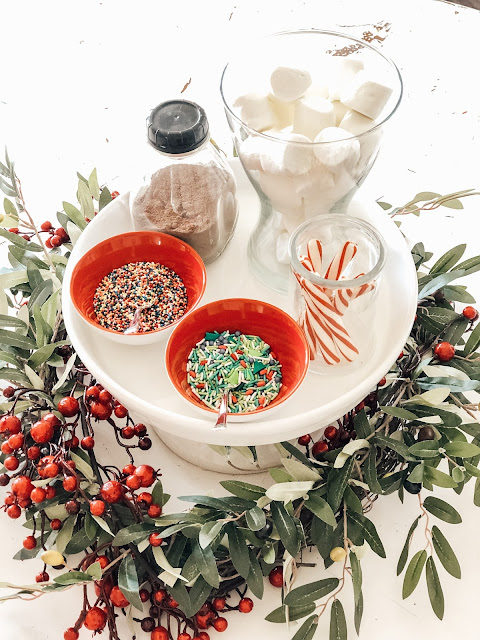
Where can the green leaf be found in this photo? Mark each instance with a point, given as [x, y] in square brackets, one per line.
[13, 339]
[83, 466]
[255, 576]
[476, 494]
[442, 510]
[300, 471]
[352, 501]
[369, 532]
[445, 553]
[238, 550]
[43, 354]
[94, 188]
[208, 532]
[395, 445]
[74, 215]
[435, 592]
[133, 533]
[6, 356]
[471, 469]
[454, 384]
[198, 595]
[180, 594]
[417, 474]
[455, 331]
[90, 526]
[43, 332]
[294, 613]
[85, 199]
[128, 582]
[234, 505]
[449, 259]
[307, 630]
[426, 449]
[12, 321]
[79, 542]
[243, 489]
[105, 198]
[440, 281]
[9, 208]
[308, 593]
[13, 278]
[370, 472]
[103, 525]
[402, 561]
[453, 204]
[361, 424]
[338, 624]
[286, 528]
[256, 518]
[206, 563]
[73, 577]
[336, 483]
[473, 341]
[157, 493]
[439, 478]
[357, 589]
[458, 293]
[65, 534]
[40, 293]
[414, 571]
[95, 570]
[469, 266]
[322, 536]
[397, 412]
[320, 508]
[461, 449]
[12, 375]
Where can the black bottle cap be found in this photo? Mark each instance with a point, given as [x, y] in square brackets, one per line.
[177, 126]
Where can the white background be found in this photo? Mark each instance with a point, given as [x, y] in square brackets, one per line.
[77, 82]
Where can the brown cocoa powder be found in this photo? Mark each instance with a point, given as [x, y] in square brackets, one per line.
[195, 203]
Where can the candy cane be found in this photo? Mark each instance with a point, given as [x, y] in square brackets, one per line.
[315, 254]
[341, 261]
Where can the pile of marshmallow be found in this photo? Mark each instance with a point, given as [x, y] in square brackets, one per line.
[301, 179]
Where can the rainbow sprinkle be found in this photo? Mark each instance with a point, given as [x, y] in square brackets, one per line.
[236, 360]
[140, 284]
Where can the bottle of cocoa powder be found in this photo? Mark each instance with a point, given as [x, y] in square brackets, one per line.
[189, 192]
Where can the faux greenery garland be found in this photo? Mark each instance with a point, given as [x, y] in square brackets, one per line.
[176, 573]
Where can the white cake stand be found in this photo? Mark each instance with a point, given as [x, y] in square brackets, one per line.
[136, 376]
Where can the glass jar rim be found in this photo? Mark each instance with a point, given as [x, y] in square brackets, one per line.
[323, 32]
[343, 220]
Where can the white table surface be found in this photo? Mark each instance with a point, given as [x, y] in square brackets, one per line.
[78, 80]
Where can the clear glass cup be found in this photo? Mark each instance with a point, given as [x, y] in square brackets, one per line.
[295, 177]
[336, 264]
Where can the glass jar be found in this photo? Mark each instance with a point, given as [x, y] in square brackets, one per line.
[336, 262]
[188, 190]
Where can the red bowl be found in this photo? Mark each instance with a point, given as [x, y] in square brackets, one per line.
[137, 246]
[252, 317]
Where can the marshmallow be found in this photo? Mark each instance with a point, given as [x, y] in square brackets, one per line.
[340, 151]
[282, 112]
[366, 95]
[255, 110]
[292, 218]
[312, 114]
[315, 182]
[282, 248]
[293, 158]
[339, 110]
[281, 189]
[289, 83]
[250, 152]
[356, 123]
[343, 72]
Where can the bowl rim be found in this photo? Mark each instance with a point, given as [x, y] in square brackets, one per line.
[328, 32]
[273, 404]
[342, 220]
[148, 233]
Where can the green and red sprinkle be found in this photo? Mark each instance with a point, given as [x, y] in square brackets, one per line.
[243, 362]
[151, 285]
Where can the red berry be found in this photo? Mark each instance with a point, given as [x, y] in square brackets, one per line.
[72, 443]
[171, 602]
[120, 411]
[145, 499]
[95, 619]
[127, 433]
[218, 604]
[14, 511]
[114, 194]
[68, 406]
[62, 234]
[6, 448]
[70, 483]
[144, 595]
[154, 511]
[9, 499]
[133, 483]
[203, 636]
[159, 633]
[13, 230]
[26, 237]
[46, 226]
[140, 429]
[56, 524]
[330, 433]
[29, 542]
[52, 419]
[42, 432]
[4, 479]
[16, 441]
[304, 440]
[444, 351]
[56, 241]
[71, 634]
[72, 507]
[100, 411]
[92, 393]
[220, 624]
[128, 469]
[320, 447]
[155, 540]
[276, 577]
[184, 636]
[22, 487]
[25, 503]
[382, 382]
[245, 605]
[52, 470]
[42, 577]
[9, 425]
[360, 406]
[11, 463]
[470, 313]
[9, 392]
[48, 243]
[159, 596]
[97, 507]
[105, 397]
[33, 453]
[38, 495]
[146, 473]
[203, 620]
[112, 491]
[145, 444]
[51, 492]
[118, 599]
[87, 443]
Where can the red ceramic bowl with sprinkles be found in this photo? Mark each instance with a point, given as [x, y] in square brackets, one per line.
[168, 292]
[250, 317]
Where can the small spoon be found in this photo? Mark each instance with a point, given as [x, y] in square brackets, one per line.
[134, 325]
[221, 422]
